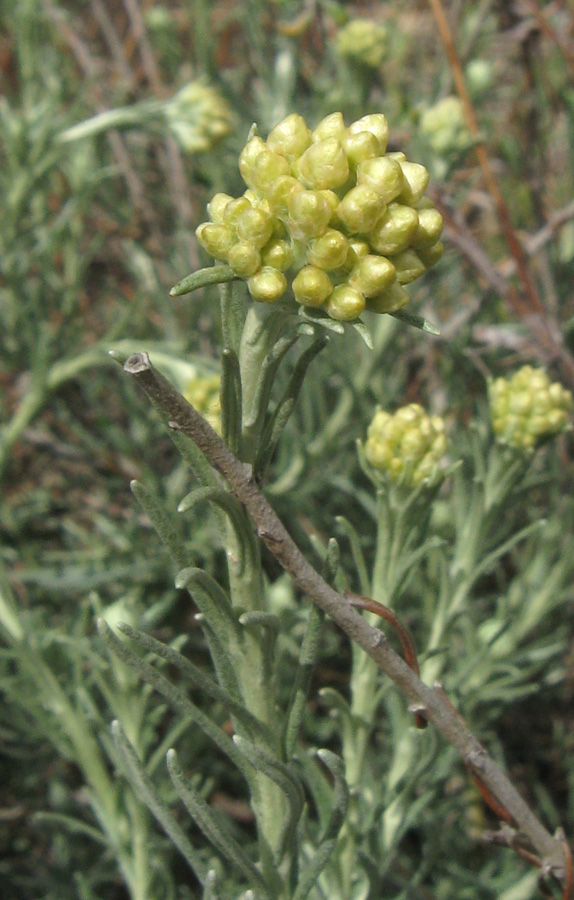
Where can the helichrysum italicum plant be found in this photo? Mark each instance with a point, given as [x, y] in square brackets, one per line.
[329, 220]
[407, 445]
[528, 408]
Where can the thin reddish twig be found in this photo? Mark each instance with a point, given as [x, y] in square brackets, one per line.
[403, 634]
[533, 304]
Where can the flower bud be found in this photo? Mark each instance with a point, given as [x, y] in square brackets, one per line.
[527, 408]
[360, 209]
[416, 179]
[431, 255]
[345, 303]
[278, 194]
[364, 41]
[388, 301]
[377, 124]
[357, 250]
[265, 171]
[290, 138]
[331, 126]
[372, 275]
[216, 239]
[312, 286]
[360, 146]
[384, 175]
[428, 230]
[234, 209]
[409, 266]
[324, 165]
[267, 285]
[278, 254]
[255, 226]
[309, 214]
[248, 156]
[407, 446]
[329, 251]
[394, 229]
[216, 207]
[244, 259]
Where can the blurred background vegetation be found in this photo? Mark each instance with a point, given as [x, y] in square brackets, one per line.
[118, 122]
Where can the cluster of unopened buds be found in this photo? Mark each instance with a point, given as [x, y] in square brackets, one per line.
[329, 216]
[528, 408]
[407, 445]
[203, 392]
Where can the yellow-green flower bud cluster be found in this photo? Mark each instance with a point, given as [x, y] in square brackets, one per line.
[528, 408]
[329, 215]
[203, 393]
[407, 445]
[444, 127]
[198, 117]
[364, 41]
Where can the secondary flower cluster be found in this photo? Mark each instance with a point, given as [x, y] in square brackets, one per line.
[528, 408]
[203, 393]
[407, 445]
[328, 214]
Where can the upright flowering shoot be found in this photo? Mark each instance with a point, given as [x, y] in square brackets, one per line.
[528, 408]
[329, 219]
[407, 446]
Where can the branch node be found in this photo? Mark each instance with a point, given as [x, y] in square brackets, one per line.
[475, 759]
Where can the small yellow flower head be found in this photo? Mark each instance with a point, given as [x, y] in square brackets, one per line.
[363, 41]
[407, 445]
[203, 393]
[198, 117]
[444, 129]
[329, 220]
[528, 408]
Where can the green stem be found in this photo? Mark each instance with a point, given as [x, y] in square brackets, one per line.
[259, 335]
[122, 117]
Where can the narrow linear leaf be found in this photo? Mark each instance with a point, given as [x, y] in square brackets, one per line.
[201, 278]
[332, 560]
[212, 601]
[415, 321]
[209, 687]
[357, 553]
[321, 856]
[231, 400]
[209, 824]
[142, 784]
[317, 317]
[222, 659]
[359, 326]
[233, 302]
[491, 558]
[240, 523]
[336, 767]
[267, 376]
[270, 626]
[307, 659]
[284, 409]
[280, 774]
[161, 522]
[71, 824]
[210, 887]
[174, 696]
